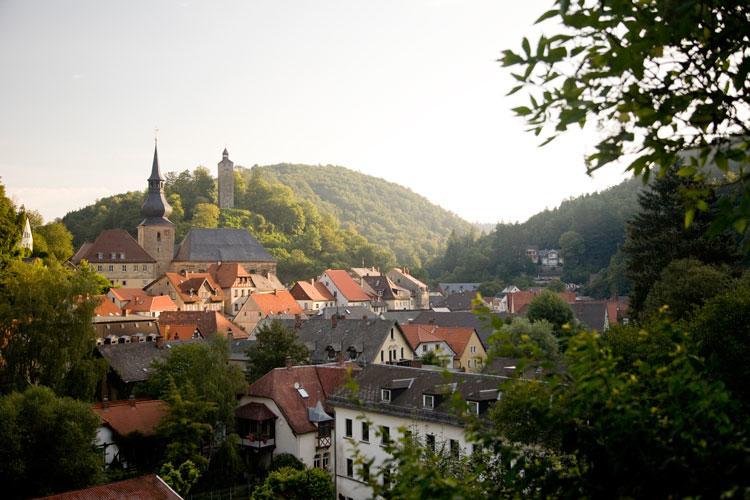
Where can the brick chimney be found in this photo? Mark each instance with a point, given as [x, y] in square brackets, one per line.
[131, 401]
[105, 403]
[334, 320]
[288, 362]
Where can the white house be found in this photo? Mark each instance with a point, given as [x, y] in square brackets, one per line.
[396, 402]
[344, 289]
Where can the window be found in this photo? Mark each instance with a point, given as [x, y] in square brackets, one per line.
[365, 432]
[385, 395]
[455, 450]
[430, 441]
[99, 255]
[473, 407]
[236, 307]
[111, 267]
[113, 255]
[428, 401]
[402, 353]
[385, 434]
[158, 236]
[317, 462]
[473, 349]
[326, 459]
[365, 472]
[236, 292]
[99, 267]
[144, 267]
[122, 256]
[124, 283]
[124, 267]
[348, 431]
[349, 467]
[424, 347]
[391, 333]
[381, 356]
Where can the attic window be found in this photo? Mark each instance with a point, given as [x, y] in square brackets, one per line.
[385, 395]
[352, 352]
[99, 255]
[428, 401]
[301, 390]
[473, 407]
[122, 256]
[331, 352]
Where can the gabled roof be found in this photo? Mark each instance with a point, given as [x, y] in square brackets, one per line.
[407, 401]
[459, 318]
[386, 289]
[347, 286]
[123, 294]
[592, 314]
[365, 336]
[188, 284]
[106, 307]
[404, 274]
[460, 301]
[112, 241]
[276, 302]
[318, 382]
[221, 245]
[127, 417]
[132, 362]
[209, 323]
[151, 303]
[150, 487]
[419, 334]
[315, 291]
[266, 283]
[226, 273]
[456, 337]
[517, 300]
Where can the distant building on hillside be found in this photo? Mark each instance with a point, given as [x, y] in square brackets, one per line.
[27, 239]
[226, 181]
[420, 294]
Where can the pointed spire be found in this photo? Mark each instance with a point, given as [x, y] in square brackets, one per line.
[155, 172]
[225, 154]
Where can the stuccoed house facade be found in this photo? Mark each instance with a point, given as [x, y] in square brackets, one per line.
[395, 400]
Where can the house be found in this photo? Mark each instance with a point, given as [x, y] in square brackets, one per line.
[532, 252]
[592, 314]
[382, 289]
[422, 341]
[203, 247]
[395, 399]
[459, 301]
[237, 284]
[150, 487]
[420, 294]
[550, 258]
[238, 352]
[364, 341]
[285, 411]
[617, 310]
[450, 288]
[189, 291]
[117, 256]
[312, 295]
[138, 302]
[468, 351]
[482, 325]
[517, 302]
[181, 325]
[264, 305]
[125, 329]
[352, 312]
[344, 289]
[106, 307]
[127, 428]
[360, 272]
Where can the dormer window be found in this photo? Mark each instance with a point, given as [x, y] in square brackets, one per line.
[100, 255]
[428, 401]
[331, 352]
[385, 395]
[473, 407]
[113, 255]
[122, 256]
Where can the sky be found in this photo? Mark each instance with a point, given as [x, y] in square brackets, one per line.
[409, 91]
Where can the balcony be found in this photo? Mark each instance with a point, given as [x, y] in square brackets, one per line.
[258, 442]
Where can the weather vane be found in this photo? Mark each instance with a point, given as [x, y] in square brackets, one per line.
[156, 135]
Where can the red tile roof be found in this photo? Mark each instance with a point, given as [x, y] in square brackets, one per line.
[276, 302]
[209, 323]
[517, 300]
[112, 241]
[179, 331]
[419, 334]
[315, 291]
[106, 307]
[319, 381]
[158, 303]
[188, 282]
[123, 294]
[226, 273]
[150, 487]
[126, 417]
[347, 286]
[457, 337]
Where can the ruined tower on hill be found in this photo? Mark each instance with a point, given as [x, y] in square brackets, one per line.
[226, 181]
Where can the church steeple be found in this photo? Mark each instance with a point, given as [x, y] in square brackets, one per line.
[156, 209]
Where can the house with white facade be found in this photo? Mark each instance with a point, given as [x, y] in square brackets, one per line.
[344, 289]
[394, 402]
[285, 411]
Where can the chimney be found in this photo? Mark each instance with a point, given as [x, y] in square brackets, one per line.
[334, 320]
[105, 402]
[288, 362]
[297, 321]
[230, 334]
[340, 358]
[131, 401]
[312, 281]
[159, 342]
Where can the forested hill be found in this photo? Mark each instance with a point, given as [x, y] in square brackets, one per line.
[385, 213]
[589, 229]
[308, 217]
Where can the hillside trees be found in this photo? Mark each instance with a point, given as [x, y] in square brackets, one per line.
[10, 228]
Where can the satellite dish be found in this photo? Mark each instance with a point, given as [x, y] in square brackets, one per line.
[296, 385]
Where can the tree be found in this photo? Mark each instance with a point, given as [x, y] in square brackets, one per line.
[550, 307]
[573, 250]
[183, 478]
[432, 358]
[660, 78]
[685, 285]
[525, 340]
[205, 215]
[275, 344]
[10, 228]
[294, 484]
[201, 371]
[57, 241]
[47, 335]
[286, 460]
[656, 236]
[47, 444]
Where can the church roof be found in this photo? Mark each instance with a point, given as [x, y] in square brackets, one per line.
[156, 209]
[221, 245]
[112, 246]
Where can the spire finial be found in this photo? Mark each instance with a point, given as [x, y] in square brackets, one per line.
[156, 135]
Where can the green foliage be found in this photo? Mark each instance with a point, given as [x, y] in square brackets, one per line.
[201, 371]
[10, 228]
[659, 78]
[525, 340]
[274, 344]
[113, 212]
[286, 460]
[294, 484]
[685, 285]
[47, 444]
[52, 240]
[656, 236]
[226, 467]
[556, 286]
[205, 215]
[181, 479]
[47, 337]
[432, 358]
[491, 288]
[552, 308]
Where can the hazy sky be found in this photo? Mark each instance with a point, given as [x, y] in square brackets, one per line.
[406, 90]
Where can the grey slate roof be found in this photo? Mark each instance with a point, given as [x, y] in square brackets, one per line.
[455, 302]
[459, 318]
[221, 245]
[365, 336]
[591, 314]
[403, 317]
[409, 384]
[350, 312]
[238, 349]
[132, 362]
[448, 288]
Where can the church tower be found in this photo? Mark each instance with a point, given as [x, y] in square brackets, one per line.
[226, 181]
[156, 231]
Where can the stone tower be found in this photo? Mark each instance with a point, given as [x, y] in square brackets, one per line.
[226, 181]
[156, 231]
